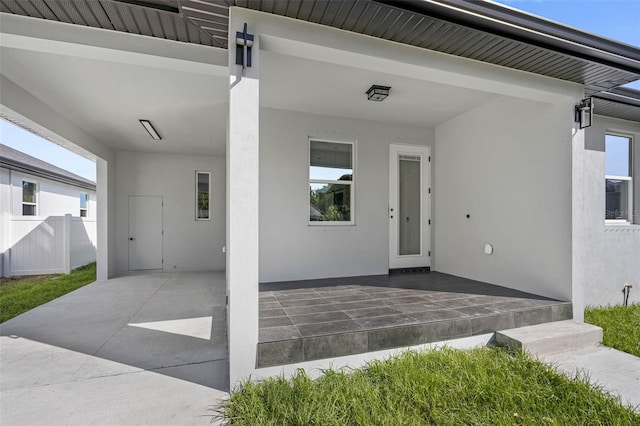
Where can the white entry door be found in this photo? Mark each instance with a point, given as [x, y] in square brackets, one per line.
[409, 206]
[145, 233]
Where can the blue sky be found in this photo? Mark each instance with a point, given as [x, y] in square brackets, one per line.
[22, 140]
[614, 19]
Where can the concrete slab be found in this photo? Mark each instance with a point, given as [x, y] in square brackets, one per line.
[552, 337]
[617, 372]
[41, 395]
[133, 350]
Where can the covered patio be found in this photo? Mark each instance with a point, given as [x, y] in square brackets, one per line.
[315, 319]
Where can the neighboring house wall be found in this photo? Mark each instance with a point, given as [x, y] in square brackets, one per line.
[290, 249]
[506, 164]
[47, 242]
[188, 245]
[5, 191]
[53, 198]
[605, 256]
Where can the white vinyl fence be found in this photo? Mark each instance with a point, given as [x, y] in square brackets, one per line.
[37, 245]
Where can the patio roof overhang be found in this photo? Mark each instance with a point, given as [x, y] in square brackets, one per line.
[623, 103]
[482, 31]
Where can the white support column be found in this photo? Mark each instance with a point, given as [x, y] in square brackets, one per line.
[105, 218]
[242, 205]
[66, 244]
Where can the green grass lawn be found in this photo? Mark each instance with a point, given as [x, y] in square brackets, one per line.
[486, 386]
[20, 294]
[620, 325]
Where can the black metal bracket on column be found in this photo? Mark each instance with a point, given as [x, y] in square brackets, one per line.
[244, 44]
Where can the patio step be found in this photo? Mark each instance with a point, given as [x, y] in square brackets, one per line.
[552, 337]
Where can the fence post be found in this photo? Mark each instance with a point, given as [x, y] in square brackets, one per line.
[66, 244]
[6, 245]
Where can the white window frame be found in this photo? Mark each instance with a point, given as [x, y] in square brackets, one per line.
[86, 209]
[35, 193]
[208, 173]
[628, 179]
[351, 183]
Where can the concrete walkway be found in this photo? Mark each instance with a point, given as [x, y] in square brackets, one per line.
[617, 372]
[146, 349]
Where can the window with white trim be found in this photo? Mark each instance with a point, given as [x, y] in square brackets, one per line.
[203, 193]
[84, 200]
[618, 178]
[29, 198]
[331, 177]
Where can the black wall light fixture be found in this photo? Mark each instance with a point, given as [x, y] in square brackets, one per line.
[584, 113]
[378, 93]
[152, 131]
[244, 44]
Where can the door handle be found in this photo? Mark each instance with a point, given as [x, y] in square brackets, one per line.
[406, 219]
[131, 238]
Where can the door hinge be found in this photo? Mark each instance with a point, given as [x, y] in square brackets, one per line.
[429, 158]
[163, 232]
[429, 253]
[429, 221]
[429, 190]
[162, 261]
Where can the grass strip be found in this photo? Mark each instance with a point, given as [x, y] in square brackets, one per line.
[25, 294]
[620, 325]
[485, 386]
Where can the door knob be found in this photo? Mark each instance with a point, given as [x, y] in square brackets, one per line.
[131, 238]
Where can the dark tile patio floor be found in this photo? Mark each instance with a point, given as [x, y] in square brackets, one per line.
[315, 319]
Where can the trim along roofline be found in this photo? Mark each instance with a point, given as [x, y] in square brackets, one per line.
[18, 161]
[517, 25]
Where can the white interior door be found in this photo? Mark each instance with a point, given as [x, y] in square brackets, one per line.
[409, 206]
[145, 233]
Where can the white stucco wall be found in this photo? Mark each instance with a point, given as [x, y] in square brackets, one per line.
[605, 256]
[506, 164]
[290, 249]
[188, 245]
[53, 198]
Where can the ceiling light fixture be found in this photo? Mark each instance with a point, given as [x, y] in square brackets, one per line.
[152, 131]
[378, 93]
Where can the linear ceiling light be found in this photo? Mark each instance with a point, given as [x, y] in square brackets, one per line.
[149, 128]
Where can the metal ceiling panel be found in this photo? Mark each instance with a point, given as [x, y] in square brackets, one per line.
[86, 12]
[616, 110]
[72, 12]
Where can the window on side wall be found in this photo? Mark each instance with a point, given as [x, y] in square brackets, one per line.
[84, 200]
[618, 178]
[331, 177]
[203, 193]
[29, 198]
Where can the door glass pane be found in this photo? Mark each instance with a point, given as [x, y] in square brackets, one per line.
[409, 205]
